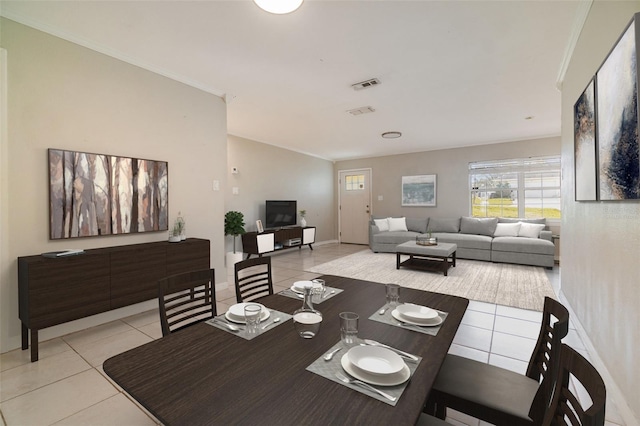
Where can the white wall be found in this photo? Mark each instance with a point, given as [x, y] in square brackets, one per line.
[452, 169]
[266, 172]
[61, 95]
[601, 240]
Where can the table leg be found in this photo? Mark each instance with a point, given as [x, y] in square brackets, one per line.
[397, 260]
[454, 259]
[25, 337]
[445, 264]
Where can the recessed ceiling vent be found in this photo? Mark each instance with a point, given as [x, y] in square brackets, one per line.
[360, 111]
[366, 84]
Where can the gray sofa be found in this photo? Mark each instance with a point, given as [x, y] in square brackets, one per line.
[508, 240]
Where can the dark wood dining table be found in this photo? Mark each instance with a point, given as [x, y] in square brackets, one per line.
[203, 375]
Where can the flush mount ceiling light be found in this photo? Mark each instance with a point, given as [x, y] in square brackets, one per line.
[391, 135]
[279, 7]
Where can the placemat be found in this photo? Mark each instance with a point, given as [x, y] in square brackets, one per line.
[331, 291]
[387, 318]
[328, 370]
[242, 332]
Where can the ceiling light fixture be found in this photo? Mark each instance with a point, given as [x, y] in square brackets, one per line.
[391, 135]
[279, 7]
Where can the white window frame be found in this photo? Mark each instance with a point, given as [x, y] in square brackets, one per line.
[519, 167]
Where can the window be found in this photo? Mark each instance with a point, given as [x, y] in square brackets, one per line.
[528, 187]
[354, 182]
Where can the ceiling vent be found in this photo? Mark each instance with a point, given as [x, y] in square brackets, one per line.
[366, 84]
[360, 111]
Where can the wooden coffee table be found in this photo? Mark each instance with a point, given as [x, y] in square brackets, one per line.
[439, 257]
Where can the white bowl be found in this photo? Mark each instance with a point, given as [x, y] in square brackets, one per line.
[299, 286]
[417, 313]
[375, 360]
[235, 312]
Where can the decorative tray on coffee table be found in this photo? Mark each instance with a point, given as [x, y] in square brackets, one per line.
[426, 241]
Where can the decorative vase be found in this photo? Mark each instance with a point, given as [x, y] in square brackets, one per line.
[303, 222]
[233, 258]
[306, 319]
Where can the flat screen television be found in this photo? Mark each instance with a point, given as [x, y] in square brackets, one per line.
[280, 213]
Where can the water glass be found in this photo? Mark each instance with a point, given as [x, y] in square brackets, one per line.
[348, 327]
[318, 290]
[393, 295]
[252, 313]
[307, 323]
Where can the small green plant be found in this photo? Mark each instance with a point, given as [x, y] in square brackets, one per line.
[234, 225]
[303, 213]
[178, 225]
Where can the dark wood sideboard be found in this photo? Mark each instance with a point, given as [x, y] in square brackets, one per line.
[58, 290]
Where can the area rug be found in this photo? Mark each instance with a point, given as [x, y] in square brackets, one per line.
[519, 286]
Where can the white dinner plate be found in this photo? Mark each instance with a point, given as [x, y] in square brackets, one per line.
[298, 286]
[235, 313]
[389, 380]
[430, 323]
[375, 360]
[417, 313]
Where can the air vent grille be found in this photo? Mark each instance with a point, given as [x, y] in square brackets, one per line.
[366, 84]
[360, 111]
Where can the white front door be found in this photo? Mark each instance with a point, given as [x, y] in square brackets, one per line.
[354, 205]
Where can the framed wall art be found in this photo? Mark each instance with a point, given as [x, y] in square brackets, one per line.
[584, 113]
[96, 194]
[617, 120]
[419, 191]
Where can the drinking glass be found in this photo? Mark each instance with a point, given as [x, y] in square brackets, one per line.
[348, 327]
[252, 317]
[318, 291]
[393, 295]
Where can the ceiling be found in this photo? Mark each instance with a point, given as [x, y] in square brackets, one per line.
[452, 73]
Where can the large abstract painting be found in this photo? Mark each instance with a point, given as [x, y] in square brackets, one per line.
[419, 190]
[617, 121]
[585, 144]
[94, 194]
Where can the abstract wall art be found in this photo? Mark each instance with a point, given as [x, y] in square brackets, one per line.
[95, 194]
[419, 191]
[617, 120]
[584, 113]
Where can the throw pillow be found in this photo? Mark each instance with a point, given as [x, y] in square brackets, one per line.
[541, 220]
[417, 225]
[397, 224]
[444, 224]
[530, 230]
[478, 226]
[382, 224]
[507, 230]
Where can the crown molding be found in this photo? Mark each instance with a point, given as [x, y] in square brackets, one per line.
[582, 13]
[57, 32]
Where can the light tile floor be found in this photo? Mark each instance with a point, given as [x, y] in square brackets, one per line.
[67, 386]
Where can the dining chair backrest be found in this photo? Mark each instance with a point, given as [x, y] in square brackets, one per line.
[575, 379]
[185, 299]
[546, 355]
[253, 279]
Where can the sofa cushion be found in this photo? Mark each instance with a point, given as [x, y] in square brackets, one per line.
[478, 226]
[507, 230]
[382, 224]
[397, 224]
[541, 220]
[417, 225]
[444, 224]
[530, 230]
[397, 237]
[523, 245]
[469, 241]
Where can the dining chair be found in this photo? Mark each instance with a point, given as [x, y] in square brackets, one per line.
[497, 395]
[579, 395]
[186, 299]
[576, 378]
[253, 279]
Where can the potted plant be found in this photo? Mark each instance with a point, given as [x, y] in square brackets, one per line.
[234, 225]
[178, 233]
[303, 221]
